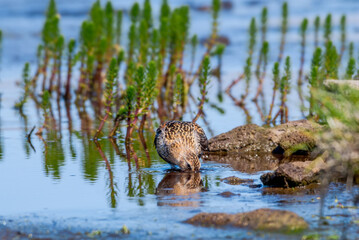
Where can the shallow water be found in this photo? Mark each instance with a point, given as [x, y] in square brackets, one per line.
[64, 188]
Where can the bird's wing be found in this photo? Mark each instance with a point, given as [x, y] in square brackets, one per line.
[202, 138]
[158, 131]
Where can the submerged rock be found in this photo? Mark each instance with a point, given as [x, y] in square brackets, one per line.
[311, 189]
[261, 219]
[228, 194]
[236, 180]
[295, 174]
[289, 138]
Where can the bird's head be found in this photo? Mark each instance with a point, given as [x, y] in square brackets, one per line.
[190, 162]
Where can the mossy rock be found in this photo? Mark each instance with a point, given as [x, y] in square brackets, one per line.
[261, 219]
[295, 137]
[295, 174]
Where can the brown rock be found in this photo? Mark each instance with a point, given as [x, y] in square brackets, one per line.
[261, 219]
[228, 194]
[247, 138]
[294, 174]
[288, 138]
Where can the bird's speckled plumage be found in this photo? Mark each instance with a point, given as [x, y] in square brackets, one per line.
[181, 143]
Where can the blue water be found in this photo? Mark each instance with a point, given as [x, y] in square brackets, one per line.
[63, 186]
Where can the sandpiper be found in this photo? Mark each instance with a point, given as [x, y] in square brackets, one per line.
[181, 143]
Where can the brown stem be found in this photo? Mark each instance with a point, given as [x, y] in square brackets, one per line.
[207, 125]
[59, 77]
[101, 125]
[107, 110]
[117, 122]
[244, 96]
[117, 149]
[59, 117]
[45, 144]
[199, 113]
[235, 100]
[129, 152]
[271, 106]
[39, 132]
[234, 82]
[29, 138]
[98, 78]
[110, 174]
[142, 138]
[286, 112]
[44, 70]
[53, 75]
[69, 73]
[81, 86]
[200, 106]
[86, 121]
[258, 67]
[131, 124]
[259, 110]
[129, 130]
[246, 112]
[277, 115]
[302, 59]
[68, 114]
[261, 82]
[128, 156]
[259, 91]
[35, 78]
[219, 77]
[281, 48]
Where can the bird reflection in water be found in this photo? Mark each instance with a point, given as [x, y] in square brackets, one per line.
[180, 189]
